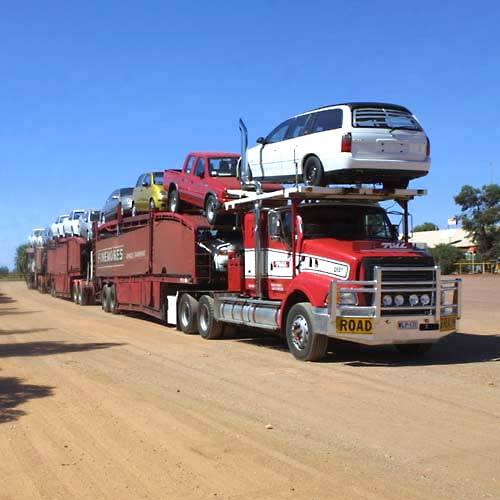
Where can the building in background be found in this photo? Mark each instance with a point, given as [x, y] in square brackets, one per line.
[457, 237]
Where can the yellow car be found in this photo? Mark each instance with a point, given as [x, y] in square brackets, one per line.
[149, 194]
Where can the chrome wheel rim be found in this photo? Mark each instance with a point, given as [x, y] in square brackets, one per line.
[204, 318]
[211, 210]
[299, 332]
[173, 201]
[185, 314]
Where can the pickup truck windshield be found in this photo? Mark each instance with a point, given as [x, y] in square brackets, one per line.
[346, 222]
[392, 118]
[222, 167]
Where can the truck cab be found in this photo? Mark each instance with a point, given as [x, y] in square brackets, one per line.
[320, 264]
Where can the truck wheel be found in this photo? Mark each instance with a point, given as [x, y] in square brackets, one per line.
[74, 293]
[113, 304]
[413, 350]
[208, 326]
[211, 209]
[187, 311]
[78, 294]
[303, 343]
[84, 297]
[52, 290]
[173, 201]
[105, 298]
[313, 172]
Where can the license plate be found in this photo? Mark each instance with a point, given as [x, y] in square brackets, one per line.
[407, 325]
[362, 326]
[448, 323]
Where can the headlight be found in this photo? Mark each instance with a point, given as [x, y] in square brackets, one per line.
[399, 300]
[425, 299]
[413, 299]
[348, 299]
[387, 300]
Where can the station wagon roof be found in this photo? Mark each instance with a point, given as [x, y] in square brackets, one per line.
[363, 105]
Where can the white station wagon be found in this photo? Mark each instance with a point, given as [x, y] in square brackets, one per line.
[359, 142]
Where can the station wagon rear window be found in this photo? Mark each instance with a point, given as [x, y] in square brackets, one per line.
[222, 167]
[393, 118]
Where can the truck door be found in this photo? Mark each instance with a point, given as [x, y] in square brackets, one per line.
[199, 181]
[186, 181]
[278, 265]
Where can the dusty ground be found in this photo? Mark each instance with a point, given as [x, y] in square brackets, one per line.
[99, 406]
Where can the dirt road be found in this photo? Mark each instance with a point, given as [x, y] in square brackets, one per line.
[97, 406]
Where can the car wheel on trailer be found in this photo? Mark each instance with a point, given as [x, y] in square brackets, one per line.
[187, 311]
[173, 201]
[413, 350]
[211, 209]
[134, 210]
[313, 172]
[151, 204]
[208, 326]
[113, 303]
[303, 343]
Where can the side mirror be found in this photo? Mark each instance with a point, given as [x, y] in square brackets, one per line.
[261, 140]
[144, 184]
[115, 197]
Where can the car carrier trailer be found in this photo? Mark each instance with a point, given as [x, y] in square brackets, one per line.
[272, 272]
[36, 268]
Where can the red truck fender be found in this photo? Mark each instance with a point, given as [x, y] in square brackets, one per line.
[306, 287]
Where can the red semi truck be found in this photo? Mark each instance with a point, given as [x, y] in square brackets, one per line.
[305, 263]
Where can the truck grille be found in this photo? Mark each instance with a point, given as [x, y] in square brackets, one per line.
[397, 279]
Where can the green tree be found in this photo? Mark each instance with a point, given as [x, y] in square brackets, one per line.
[480, 215]
[21, 258]
[446, 256]
[425, 226]
[4, 270]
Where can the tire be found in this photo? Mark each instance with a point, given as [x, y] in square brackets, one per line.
[151, 205]
[79, 294]
[113, 303]
[313, 174]
[74, 293]
[84, 294]
[105, 298]
[208, 327]
[134, 210]
[187, 312]
[52, 290]
[211, 209]
[303, 343]
[173, 201]
[413, 350]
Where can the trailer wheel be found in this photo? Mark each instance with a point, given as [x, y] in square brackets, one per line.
[52, 290]
[74, 293]
[173, 201]
[187, 311]
[105, 298]
[113, 304]
[78, 294]
[84, 297]
[211, 209]
[303, 343]
[208, 326]
[313, 172]
[413, 350]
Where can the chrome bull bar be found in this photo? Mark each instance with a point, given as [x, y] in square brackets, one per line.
[388, 324]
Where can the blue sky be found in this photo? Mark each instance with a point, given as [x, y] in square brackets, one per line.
[93, 93]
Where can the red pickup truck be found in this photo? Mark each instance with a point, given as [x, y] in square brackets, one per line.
[205, 181]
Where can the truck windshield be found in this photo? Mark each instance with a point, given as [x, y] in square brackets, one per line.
[95, 215]
[392, 118]
[158, 178]
[222, 167]
[346, 222]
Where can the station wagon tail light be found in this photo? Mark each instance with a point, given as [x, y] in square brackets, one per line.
[428, 147]
[346, 143]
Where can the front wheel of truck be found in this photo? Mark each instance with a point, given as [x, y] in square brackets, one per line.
[303, 343]
[211, 209]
